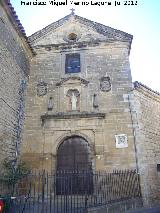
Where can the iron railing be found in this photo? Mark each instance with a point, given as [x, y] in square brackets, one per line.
[72, 191]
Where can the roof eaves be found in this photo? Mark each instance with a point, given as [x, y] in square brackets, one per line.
[46, 29]
[102, 27]
[99, 27]
[138, 85]
[16, 22]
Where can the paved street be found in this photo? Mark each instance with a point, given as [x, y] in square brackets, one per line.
[146, 210]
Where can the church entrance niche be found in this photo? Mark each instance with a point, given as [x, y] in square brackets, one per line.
[74, 167]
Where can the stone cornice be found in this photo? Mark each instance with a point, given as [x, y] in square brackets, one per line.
[48, 28]
[65, 47]
[110, 33]
[69, 45]
[146, 91]
[72, 115]
[83, 81]
[105, 30]
[100, 28]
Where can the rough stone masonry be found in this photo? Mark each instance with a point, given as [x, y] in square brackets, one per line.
[14, 69]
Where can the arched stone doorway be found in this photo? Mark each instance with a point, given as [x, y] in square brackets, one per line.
[74, 167]
[74, 154]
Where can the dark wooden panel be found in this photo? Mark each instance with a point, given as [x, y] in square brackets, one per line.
[73, 159]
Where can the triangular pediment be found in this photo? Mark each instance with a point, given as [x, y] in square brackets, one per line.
[72, 80]
[85, 30]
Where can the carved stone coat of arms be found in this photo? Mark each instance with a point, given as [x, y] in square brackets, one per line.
[41, 88]
[105, 84]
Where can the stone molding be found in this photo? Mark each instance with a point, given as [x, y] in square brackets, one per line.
[67, 46]
[70, 115]
[146, 91]
[69, 134]
[109, 32]
[83, 81]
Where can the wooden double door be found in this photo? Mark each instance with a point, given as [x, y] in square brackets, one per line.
[74, 167]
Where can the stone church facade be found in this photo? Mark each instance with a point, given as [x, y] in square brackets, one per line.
[82, 110]
[82, 70]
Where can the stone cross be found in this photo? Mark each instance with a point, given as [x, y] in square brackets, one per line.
[72, 11]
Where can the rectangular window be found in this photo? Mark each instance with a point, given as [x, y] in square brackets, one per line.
[72, 63]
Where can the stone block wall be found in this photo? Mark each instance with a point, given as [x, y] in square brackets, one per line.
[147, 115]
[14, 67]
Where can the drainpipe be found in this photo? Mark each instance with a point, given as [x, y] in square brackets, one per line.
[134, 134]
[20, 119]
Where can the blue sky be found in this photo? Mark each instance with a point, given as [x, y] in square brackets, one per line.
[141, 20]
